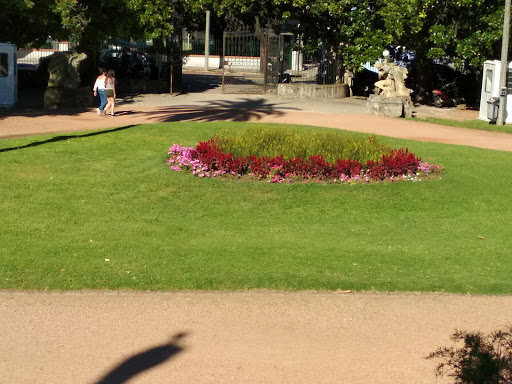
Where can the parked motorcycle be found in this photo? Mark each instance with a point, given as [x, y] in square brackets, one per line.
[440, 100]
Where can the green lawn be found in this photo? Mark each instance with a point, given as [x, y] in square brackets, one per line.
[68, 205]
[472, 124]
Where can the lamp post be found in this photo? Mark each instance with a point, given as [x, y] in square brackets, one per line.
[504, 65]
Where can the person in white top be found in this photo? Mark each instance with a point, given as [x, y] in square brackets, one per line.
[99, 88]
[110, 85]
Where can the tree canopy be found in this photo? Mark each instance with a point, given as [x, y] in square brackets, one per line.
[465, 31]
[462, 32]
[26, 21]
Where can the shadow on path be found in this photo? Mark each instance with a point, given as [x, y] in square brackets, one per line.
[201, 82]
[244, 110]
[143, 361]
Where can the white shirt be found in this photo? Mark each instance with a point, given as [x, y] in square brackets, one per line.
[99, 84]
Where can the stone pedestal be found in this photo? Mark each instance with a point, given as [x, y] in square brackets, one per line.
[399, 106]
[64, 97]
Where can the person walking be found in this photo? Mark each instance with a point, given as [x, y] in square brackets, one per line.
[99, 88]
[110, 86]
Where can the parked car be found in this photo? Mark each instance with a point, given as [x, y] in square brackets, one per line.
[128, 64]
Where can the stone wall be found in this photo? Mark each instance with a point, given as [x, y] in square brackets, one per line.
[314, 91]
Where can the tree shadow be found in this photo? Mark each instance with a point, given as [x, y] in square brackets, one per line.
[201, 82]
[66, 137]
[39, 111]
[241, 110]
[143, 361]
[238, 110]
[31, 104]
[31, 100]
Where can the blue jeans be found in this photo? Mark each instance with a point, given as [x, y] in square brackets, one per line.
[103, 98]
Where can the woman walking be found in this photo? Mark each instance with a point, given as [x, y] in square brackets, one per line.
[99, 88]
[110, 86]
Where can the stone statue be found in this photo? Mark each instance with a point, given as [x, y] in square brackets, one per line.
[64, 89]
[63, 69]
[348, 78]
[392, 98]
[391, 80]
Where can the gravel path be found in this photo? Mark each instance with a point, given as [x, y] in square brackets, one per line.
[255, 337]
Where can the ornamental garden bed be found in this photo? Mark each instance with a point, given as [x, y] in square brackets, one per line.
[259, 154]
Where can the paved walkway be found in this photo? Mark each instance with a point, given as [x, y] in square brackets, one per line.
[212, 106]
[252, 337]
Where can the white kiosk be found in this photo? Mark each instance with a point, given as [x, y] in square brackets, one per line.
[491, 90]
[8, 75]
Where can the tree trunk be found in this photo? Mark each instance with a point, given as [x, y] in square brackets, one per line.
[421, 79]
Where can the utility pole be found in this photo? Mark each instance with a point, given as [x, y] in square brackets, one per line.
[207, 41]
[504, 65]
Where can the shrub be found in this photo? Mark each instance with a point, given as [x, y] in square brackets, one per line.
[396, 163]
[292, 142]
[209, 154]
[483, 359]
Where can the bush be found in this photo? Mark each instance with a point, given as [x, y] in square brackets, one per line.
[293, 142]
[483, 359]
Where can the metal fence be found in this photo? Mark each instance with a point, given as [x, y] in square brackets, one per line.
[196, 47]
[318, 68]
[135, 61]
[145, 66]
[30, 58]
[243, 69]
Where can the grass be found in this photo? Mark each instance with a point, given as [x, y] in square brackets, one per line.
[472, 124]
[69, 204]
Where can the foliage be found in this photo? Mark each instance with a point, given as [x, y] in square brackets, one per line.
[86, 23]
[90, 22]
[464, 33]
[483, 359]
[26, 21]
[467, 32]
[292, 142]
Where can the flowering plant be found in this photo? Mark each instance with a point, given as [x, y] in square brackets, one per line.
[207, 160]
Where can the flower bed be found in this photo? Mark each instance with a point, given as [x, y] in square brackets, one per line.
[207, 160]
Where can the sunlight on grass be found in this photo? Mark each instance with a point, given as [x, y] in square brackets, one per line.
[472, 124]
[104, 211]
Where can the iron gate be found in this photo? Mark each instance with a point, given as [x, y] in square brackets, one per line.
[175, 45]
[250, 62]
[272, 60]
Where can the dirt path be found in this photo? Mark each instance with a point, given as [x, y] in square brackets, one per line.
[344, 114]
[256, 337]
[259, 337]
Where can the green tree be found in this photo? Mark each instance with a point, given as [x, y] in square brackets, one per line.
[26, 21]
[462, 32]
